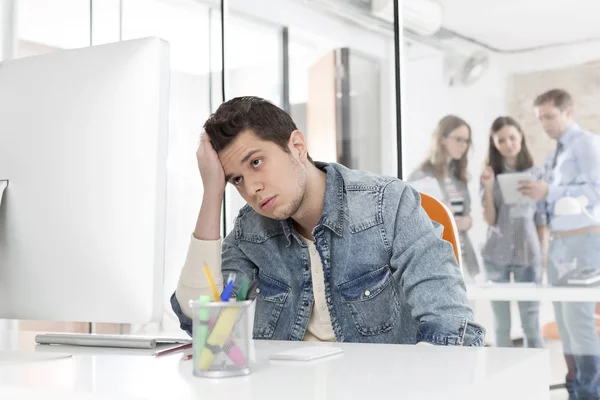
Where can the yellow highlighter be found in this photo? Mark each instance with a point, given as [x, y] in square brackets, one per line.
[211, 283]
[217, 338]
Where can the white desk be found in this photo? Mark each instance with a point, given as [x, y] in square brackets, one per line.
[362, 372]
[515, 292]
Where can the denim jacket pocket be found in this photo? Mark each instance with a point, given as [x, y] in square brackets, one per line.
[270, 299]
[372, 301]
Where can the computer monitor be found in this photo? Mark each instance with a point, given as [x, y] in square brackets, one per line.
[83, 144]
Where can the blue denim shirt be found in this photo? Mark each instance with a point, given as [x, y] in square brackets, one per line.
[389, 277]
[576, 173]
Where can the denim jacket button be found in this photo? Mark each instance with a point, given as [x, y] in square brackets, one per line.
[325, 261]
[257, 290]
[367, 293]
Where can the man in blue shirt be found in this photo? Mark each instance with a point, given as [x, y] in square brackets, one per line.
[337, 254]
[572, 170]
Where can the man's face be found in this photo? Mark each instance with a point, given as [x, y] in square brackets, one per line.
[554, 120]
[272, 181]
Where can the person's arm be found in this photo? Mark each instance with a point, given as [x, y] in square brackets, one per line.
[208, 224]
[487, 196]
[192, 280]
[587, 157]
[205, 246]
[541, 221]
[542, 232]
[204, 249]
[426, 270]
[464, 223]
[489, 208]
[542, 174]
[221, 260]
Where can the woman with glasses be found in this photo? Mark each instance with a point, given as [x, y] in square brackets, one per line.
[515, 232]
[447, 163]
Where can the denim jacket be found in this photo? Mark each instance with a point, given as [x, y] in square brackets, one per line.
[389, 277]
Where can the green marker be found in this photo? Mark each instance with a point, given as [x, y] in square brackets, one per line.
[202, 331]
[243, 290]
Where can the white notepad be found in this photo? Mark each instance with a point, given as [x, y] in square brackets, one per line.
[430, 186]
[509, 186]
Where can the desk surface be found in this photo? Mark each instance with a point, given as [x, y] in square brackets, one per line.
[364, 371]
[532, 293]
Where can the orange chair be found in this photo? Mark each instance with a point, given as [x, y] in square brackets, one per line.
[438, 212]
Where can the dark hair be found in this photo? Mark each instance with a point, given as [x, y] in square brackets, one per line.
[560, 98]
[249, 113]
[495, 159]
[436, 160]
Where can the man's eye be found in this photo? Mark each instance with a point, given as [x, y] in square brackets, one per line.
[257, 162]
[237, 180]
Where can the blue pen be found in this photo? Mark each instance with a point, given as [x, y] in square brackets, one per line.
[228, 288]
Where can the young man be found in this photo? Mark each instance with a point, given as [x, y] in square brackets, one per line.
[572, 170]
[338, 254]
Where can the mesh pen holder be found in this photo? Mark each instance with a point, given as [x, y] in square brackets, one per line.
[222, 338]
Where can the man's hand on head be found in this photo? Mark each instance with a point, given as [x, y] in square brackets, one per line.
[211, 170]
[537, 190]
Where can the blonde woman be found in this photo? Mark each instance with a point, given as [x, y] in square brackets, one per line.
[447, 163]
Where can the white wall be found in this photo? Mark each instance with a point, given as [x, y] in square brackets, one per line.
[319, 31]
[296, 15]
[551, 58]
[312, 34]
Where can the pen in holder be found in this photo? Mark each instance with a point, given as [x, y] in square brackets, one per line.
[222, 338]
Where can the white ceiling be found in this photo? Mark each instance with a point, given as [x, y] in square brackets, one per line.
[521, 24]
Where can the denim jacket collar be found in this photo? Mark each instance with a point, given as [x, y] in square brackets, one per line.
[333, 210]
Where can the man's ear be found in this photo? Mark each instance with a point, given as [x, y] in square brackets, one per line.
[569, 111]
[297, 145]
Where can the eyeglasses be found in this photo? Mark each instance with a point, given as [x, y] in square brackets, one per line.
[460, 140]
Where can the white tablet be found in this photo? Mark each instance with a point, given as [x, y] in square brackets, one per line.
[509, 186]
[429, 186]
